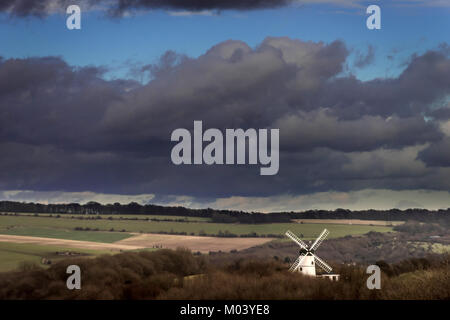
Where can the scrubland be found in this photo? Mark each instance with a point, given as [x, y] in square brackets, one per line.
[179, 274]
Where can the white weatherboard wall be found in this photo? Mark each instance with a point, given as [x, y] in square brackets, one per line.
[308, 266]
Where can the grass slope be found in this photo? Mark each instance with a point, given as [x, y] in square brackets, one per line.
[13, 255]
[61, 233]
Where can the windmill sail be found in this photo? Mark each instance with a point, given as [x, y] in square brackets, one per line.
[296, 239]
[319, 240]
[322, 264]
[297, 263]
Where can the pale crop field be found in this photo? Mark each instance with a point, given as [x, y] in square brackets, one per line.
[351, 222]
[193, 243]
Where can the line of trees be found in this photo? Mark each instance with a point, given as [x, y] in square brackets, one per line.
[224, 216]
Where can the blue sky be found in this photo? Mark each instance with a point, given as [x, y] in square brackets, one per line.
[143, 37]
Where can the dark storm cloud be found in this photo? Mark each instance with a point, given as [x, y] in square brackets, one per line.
[437, 154]
[23, 8]
[425, 79]
[46, 101]
[66, 128]
[440, 114]
[373, 132]
[198, 5]
[118, 7]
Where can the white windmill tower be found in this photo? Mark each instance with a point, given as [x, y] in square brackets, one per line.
[307, 260]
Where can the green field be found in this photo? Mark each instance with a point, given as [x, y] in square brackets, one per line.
[158, 217]
[63, 233]
[64, 228]
[13, 255]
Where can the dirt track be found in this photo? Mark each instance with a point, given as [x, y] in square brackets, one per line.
[140, 241]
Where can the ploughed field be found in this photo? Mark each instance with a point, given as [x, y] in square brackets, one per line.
[193, 243]
[38, 238]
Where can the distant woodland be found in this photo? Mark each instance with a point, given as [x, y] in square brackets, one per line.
[226, 216]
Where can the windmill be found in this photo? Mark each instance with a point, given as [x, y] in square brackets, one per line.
[307, 260]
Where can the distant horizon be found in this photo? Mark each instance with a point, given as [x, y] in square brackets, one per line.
[220, 209]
